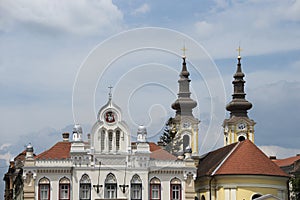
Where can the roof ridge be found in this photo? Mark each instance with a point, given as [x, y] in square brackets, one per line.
[223, 161]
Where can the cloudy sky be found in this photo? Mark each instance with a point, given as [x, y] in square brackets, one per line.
[57, 59]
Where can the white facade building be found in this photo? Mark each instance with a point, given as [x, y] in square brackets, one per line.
[108, 165]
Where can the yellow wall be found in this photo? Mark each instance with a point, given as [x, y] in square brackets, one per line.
[247, 193]
[244, 185]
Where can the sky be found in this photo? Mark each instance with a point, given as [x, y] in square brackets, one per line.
[57, 59]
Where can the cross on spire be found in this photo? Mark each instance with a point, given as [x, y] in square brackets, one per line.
[183, 51]
[109, 94]
[239, 51]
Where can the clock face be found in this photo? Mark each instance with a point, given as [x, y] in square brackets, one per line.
[226, 128]
[109, 117]
[241, 126]
[186, 124]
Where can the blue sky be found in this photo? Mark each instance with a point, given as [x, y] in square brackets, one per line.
[44, 43]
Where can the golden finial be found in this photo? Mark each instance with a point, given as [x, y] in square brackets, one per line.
[109, 94]
[183, 51]
[239, 50]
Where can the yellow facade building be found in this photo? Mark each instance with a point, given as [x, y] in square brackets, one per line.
[239, 170]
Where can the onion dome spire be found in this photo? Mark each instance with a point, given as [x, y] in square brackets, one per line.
[184, 104]
[238, 106]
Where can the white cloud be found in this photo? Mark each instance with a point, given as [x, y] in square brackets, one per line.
[279, 152]
[145, 8]
[7, 156]
[292, 12]
[204, 29]
[4, 146]
[262, 31]
[78, 16]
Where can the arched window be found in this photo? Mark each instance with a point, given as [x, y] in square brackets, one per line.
[155, 189]
[85, 188]
[241, 138]
[186, 141]
[44, 189]
[202, 197]
[110, 187]
[110, 140]
[102, 143]
[64, 189]
[256, 196]
[175, 188]
[117, 140]
[136, 188]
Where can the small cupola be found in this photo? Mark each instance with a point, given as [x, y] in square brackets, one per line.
[29, 151]
[142, 134]
[77, 133]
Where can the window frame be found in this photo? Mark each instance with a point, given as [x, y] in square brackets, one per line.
[136, 188]
[118, 137]
[44, 182]
[153, 183]
[64, 182]
[110, 185]
[110, 141]
[175, 182]
[85, 181]
[102, 140]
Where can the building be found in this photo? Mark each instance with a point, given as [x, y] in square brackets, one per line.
[239, 170]
[291, 166]
[111, 166]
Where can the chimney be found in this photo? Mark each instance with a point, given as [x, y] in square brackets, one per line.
[272, 157]
[66, 137]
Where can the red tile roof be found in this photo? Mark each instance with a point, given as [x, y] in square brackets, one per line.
[161, 154]
[153, 146]
[243, 158]
[211, 160]
[60, 150]
[286, 161]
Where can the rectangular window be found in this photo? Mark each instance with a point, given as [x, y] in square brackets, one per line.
[44, 192]
[110, 140]
[136, 191]
[118, 140]
[110, 191]
[64, 191]
[175, 192]
[155, 191]
[85, 191]
[102, 140]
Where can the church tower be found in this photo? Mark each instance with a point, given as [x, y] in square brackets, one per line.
[239, 126]
[110, 134]
[184, 125]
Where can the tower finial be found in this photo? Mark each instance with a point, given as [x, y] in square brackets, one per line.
[239, 52]
[239, 105]
[183, 51]
[109, 94]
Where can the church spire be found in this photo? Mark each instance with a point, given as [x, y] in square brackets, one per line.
[184, 125]
[239, 126]
[184, 104]
[238, 106]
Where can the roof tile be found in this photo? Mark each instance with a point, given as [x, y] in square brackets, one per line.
[60, 150]
[248, 159]
[286, 161]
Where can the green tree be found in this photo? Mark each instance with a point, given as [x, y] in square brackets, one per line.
[168, 133]
[295, 188]
[171, 143]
